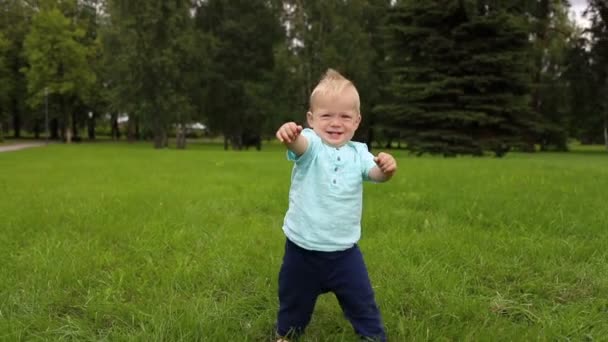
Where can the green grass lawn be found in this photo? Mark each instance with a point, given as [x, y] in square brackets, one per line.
[122, 242]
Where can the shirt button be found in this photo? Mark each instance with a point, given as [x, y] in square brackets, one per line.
[334, 181]
[336, 169]
[338, 158]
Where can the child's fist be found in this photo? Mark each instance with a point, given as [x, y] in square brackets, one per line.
[386, 163]
[289, 132]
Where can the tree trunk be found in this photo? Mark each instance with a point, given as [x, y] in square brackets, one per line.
[37, 129]
[225, 142]
[67, 124]
[16, 119]
[1, 132]
[159, 140]
[75, 128]
[137, 133]
[54, 129]
[181, 136]
[131, 129]
[389, 143]
[537, 101]
[115, 128]
[370, 133]
[160, 135]
[237, 142]
[606, 131]
[91, 126]
[68, 129]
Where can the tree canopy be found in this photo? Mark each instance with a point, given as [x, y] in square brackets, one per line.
[444, 77]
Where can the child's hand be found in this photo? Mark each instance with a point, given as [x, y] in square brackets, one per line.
[386, 163]
[289, 132]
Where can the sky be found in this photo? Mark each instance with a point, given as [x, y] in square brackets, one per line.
[577, 7]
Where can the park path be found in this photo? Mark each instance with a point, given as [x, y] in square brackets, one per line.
[20, 146]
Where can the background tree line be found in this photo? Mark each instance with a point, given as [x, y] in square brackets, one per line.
[441, 76]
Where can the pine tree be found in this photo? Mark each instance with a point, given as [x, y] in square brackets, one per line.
[459, 78]
[494, 71]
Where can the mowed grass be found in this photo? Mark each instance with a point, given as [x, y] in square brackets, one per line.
[121, 242]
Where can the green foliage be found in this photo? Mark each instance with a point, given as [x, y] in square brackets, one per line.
[15, 20]
[5, 76]
[334, 34]
[459, 81]
[458, 249]
[57, 61]
[240, 93]
[448, 77]
[598, 12]
[5, 83]
[583, 94]
[553, 33]
[156, 63]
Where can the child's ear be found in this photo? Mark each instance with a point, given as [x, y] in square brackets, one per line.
[309, 118]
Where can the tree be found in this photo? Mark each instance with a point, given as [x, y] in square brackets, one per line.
[239, 96]
[343, 35]
[15, 21]
[57, 65]
[583, 93]
[551, 34]
[598, 12]
[459, 80]
[156, 63]
[97, 101]
[86, 15]
[5, 83]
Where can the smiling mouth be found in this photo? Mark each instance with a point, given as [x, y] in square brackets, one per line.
[334, 134]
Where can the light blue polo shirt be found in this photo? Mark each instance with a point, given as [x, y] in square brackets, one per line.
[326, 194]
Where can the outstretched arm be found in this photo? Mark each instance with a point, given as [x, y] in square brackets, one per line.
[289, 134]
[385, 169]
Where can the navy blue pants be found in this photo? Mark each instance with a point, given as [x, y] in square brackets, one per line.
[306, 274]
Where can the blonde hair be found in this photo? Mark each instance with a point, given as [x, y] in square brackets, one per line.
[333, 83]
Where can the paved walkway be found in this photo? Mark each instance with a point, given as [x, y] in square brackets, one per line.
[20, 146]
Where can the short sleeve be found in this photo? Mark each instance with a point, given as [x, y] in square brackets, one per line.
[314, 143]
[367, 161]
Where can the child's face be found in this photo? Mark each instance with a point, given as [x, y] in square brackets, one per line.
[334, 118]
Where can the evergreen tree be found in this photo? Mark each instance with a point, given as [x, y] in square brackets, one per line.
[459, 79]
[494, 70]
